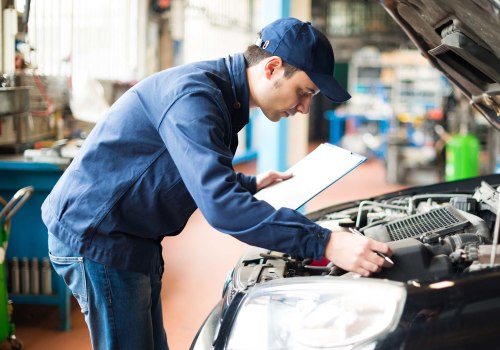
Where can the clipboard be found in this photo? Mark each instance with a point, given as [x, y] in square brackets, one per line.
[311, 175]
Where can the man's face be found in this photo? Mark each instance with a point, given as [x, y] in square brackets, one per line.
[286, 96]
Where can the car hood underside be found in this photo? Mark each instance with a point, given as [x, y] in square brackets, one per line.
[460, 39]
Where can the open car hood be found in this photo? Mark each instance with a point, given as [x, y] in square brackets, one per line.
[459, 38]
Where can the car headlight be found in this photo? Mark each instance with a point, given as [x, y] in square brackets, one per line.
[316, 312]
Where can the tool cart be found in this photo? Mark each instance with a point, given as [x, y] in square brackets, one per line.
[7, 328]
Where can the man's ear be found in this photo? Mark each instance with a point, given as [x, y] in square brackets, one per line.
[271, 66]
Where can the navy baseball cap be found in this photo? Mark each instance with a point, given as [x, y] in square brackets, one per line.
[303, 46]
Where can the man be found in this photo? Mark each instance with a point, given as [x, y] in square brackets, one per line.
[166, 148]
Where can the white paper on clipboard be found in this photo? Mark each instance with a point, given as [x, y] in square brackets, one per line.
[311, 175]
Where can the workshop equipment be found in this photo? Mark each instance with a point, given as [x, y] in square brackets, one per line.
[462, 157]
[14, 115]
[7, 328]
[27, 226]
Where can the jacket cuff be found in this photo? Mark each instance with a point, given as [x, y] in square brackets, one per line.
[248, 182]
[319, 241]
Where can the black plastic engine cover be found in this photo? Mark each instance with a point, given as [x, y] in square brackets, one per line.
[414, 261]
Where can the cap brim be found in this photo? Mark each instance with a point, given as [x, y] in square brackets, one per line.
[329, 87]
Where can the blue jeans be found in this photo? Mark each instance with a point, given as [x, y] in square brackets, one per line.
[122, 308]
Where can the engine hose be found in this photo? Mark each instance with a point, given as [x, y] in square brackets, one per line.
[460, 240]
[450, 244]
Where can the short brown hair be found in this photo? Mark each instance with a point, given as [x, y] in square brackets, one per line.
[254, 54]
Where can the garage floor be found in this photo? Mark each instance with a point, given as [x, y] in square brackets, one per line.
[197, 262]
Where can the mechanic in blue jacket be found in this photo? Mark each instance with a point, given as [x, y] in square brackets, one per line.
[166, 148]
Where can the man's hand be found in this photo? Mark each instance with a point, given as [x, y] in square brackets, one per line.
[356, 253]
[270, 177]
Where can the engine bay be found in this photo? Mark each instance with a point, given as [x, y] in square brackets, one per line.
[432, 236]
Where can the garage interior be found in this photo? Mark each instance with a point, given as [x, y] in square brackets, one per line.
[64, 63]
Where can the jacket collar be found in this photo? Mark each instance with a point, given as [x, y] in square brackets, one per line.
[240, 106]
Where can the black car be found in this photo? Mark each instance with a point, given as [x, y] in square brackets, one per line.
[443, 291]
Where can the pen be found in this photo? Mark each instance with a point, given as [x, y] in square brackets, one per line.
[382, 255]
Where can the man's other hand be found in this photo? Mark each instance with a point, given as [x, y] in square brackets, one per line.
[271, 177]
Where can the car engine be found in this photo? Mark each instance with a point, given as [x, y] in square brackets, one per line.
[432, 236]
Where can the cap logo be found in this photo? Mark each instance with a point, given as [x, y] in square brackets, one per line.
[266, 44]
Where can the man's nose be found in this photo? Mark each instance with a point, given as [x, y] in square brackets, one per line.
[304, 104]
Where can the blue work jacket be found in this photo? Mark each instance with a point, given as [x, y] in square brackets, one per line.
[164, 149]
